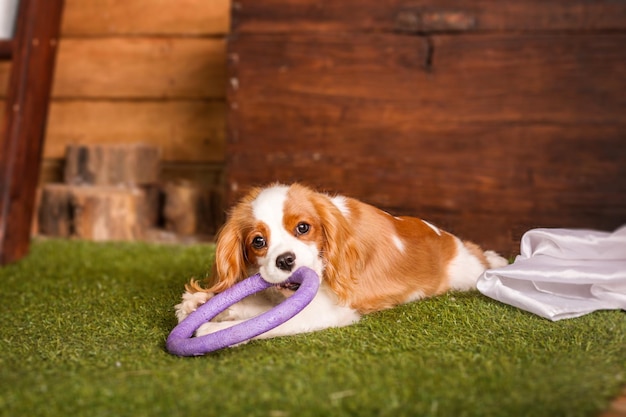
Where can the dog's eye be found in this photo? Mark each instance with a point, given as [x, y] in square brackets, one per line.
[258, 242]
[302, 228]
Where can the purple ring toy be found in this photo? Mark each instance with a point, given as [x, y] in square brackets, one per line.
[180, 341]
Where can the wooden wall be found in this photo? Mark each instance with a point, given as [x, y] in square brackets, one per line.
[141, 70]
[487, 118]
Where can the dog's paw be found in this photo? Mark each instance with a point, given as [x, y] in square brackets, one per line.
[190, 302]
[212, 327]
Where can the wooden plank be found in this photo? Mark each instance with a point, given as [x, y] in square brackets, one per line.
[141, 68]
[146, 17]
[162, 68]
[190, 131]
[486, 183]
[292, 16]
[487, 135]
[552, 78]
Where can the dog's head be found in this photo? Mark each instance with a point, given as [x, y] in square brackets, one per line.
[278, 229]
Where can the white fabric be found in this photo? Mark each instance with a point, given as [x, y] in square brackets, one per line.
[563, 273]
[8, 12]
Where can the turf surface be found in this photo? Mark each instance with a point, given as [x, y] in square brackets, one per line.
[83, 329]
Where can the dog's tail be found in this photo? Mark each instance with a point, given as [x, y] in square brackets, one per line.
[495, 260]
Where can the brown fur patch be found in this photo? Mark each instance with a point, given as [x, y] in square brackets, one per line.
[391, 276]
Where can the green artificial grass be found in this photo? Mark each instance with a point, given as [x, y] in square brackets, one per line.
[84, 324]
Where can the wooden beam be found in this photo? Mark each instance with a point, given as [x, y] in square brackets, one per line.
[146, 17]
[34, 54]
[461, 78]
[427, 16]
[123, 68]
[184, 130]
[137, 68]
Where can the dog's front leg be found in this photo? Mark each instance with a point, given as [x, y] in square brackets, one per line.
[323, 312]
[248, 307]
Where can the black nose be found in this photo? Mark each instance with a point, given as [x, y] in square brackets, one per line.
[286, 261]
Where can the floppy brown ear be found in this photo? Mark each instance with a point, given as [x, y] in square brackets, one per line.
[230, 260]
[230, 264]
[340, 253]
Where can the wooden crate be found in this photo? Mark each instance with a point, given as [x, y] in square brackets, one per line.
[486, 118]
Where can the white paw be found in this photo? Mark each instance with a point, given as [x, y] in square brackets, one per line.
[212, 327]
[190, 302]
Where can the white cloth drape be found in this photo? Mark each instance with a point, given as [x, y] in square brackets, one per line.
[563, 273]
[8, 12]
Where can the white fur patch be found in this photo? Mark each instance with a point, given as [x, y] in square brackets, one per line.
[268, 206]
[398, 242]
[435, 228]
[464, 269]
[340, 202]
[417, 295]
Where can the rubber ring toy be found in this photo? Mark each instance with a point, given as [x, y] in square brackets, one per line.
[182, 343]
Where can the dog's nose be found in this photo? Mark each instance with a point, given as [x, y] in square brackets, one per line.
[286, 261]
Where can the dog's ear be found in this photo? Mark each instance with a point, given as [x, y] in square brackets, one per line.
[341, 257]
[229, 265]
[230, 257]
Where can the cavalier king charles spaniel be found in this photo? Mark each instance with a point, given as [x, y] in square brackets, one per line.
[367, 260]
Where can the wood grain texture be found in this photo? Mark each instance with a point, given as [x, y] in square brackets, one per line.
[97, 213]
[191, 131]
[124, 68]
[140, 67]
[117, 165]
[551, 78]
[145, 17]
[54, 214]
[487, 135]
[33, 57]
[190, 209]
[292, 16]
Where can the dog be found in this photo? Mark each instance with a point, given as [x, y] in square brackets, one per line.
[367, 259]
